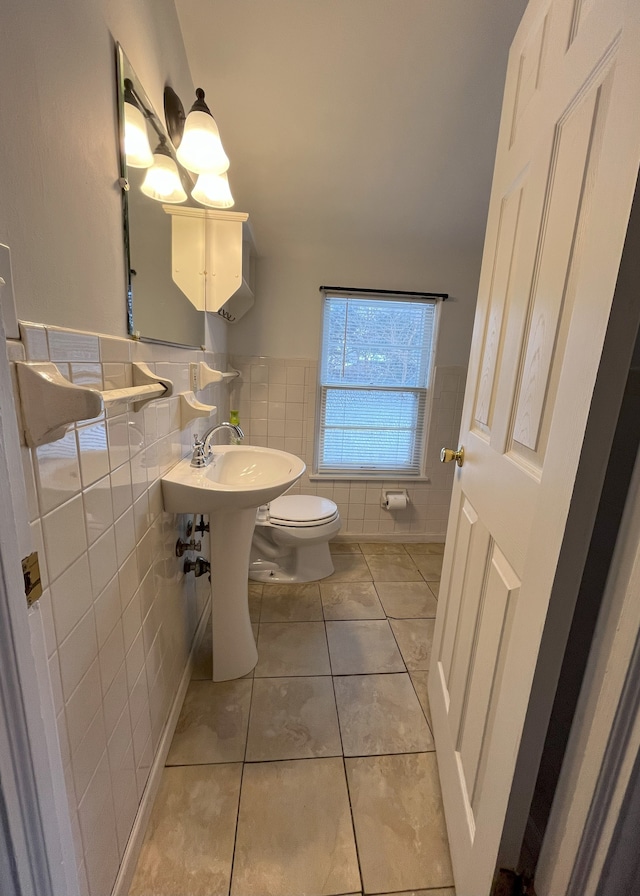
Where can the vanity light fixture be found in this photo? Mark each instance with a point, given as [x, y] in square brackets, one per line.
[213, 190]
[136, 141]
[162, 181]
[195, 136]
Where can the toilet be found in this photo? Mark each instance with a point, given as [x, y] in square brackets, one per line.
[291, 539]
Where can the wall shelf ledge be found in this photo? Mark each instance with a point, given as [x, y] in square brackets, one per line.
[191, 408]
[201, 375]
[49, 402]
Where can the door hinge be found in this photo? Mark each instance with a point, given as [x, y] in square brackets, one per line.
[32, 581]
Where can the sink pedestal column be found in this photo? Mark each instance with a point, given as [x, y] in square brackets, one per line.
[234, 647]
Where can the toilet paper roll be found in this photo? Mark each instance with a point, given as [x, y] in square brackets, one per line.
[396, 502]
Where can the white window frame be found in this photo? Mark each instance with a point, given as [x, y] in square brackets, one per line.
[426, 402]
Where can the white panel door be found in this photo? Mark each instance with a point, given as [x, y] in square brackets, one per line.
[566, 167]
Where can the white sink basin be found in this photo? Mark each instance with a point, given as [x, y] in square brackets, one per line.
[238, 477]
[238, 480]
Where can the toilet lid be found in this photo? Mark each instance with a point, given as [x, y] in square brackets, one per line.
[302, 510]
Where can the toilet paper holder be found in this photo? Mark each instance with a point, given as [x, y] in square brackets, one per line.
[394, 499]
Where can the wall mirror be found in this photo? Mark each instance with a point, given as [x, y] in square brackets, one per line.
[157, 310]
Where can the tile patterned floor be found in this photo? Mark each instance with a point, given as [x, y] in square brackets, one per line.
[316, 774]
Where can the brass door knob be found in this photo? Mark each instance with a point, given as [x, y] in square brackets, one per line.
[448, 454]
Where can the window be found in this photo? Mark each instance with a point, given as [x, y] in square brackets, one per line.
[374, 377]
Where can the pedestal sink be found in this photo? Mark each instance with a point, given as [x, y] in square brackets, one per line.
[237, 481]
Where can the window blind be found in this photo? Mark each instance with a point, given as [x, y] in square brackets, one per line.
[374, 379]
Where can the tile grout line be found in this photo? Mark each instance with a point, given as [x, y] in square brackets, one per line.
[406, 672]
[301, 759]
[353, 823]
[422, 707]
[344, 764]
[403, 659]
[244, 762]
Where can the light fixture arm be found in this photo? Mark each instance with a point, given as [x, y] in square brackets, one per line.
[162, 148]
[174, 115]
[199, 104]
[131, 96]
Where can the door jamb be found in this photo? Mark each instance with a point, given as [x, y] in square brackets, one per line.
[605, 737]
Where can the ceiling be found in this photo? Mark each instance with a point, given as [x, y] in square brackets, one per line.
[369, 124]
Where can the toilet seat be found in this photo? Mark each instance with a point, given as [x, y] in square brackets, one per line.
[302, 511]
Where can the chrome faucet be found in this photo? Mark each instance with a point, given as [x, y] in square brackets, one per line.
[202, 453]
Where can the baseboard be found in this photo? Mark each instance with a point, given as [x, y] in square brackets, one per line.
[136, 838]
[395, 537]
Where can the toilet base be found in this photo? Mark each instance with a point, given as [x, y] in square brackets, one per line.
[302, 564]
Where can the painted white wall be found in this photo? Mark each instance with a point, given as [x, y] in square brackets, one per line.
[61, 208]
[60, 213]
[285, 319]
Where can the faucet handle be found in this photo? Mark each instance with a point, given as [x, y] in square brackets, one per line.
[199, 458]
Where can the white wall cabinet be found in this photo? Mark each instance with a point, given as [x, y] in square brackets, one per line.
[213, 259]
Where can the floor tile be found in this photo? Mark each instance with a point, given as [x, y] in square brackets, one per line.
[429, 547]
[380, 714]
[399, 822]
[363, 646]
[351, 600]
[407, 600]
[291, 603]
[439, 891]
[203, 658]
[294, 831]
[430, 566]
[349, 568]
[393, 568]
[344, 547]
[293, 718]
[419, 680]
[414, 637]
[188, 847]
[212, 726]
[255, 602]
[382, 547]
[295, 835]
[292, 648]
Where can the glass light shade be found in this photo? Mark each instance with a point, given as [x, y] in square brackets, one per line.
[162, 181]
[136, 142]
[201, 149]
[213, 190]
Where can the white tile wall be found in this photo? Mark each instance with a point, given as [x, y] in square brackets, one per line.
[276, 399]
[119, 614]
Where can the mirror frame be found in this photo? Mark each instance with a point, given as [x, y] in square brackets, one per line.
[123, 70]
